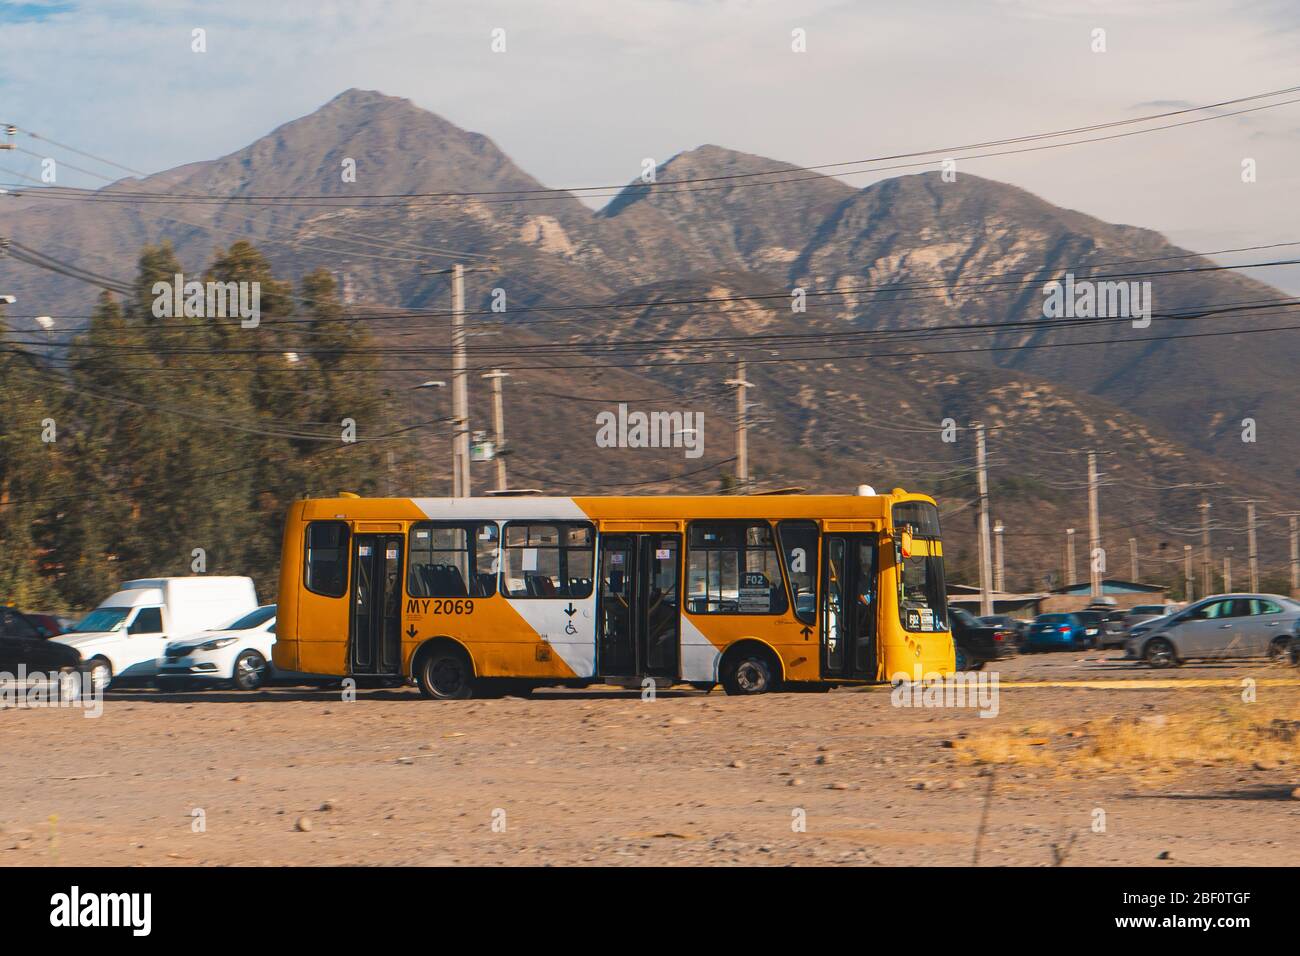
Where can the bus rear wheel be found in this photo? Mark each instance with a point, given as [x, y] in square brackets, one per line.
[445, 674]
[749, 672]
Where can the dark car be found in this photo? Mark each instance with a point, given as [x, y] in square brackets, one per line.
[1115, 628]
[975, 644]
[1094, 625]
[53, 627]
[1007, 622]
[24, 643]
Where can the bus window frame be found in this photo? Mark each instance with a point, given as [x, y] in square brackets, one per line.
[814, 558]
[561, 524]
[932, 545]
[345, 547]
[743, 523]
[471, 527]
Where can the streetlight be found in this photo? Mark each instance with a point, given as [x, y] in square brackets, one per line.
[47, 323]
[431, 383]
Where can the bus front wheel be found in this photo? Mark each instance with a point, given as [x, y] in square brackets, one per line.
[444, 674]
[747, 672]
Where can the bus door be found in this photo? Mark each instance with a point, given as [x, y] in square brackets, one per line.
[640, 605]
[849, 603]
[375, 628]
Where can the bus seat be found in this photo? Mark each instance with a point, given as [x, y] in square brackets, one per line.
[446, 581]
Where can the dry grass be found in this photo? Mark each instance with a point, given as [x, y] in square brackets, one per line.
[1239, 734]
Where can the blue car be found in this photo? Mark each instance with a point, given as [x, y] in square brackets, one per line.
[1056, 632]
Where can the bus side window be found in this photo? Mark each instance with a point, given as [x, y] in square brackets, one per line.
[325, 570]
[733, 568]
[799, 547]
[452, 560]
[550, 559]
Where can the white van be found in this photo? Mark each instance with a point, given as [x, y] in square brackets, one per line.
[126, 634]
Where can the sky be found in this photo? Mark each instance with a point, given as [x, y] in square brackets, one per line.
[585, 90]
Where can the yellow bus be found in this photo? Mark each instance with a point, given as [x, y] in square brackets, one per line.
[476, 596]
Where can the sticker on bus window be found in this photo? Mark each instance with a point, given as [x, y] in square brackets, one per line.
[422, 534]
[663, 554]
[363, 551]
[755, 592]
[927, 619]
[913, 621]
[616, 557]
[530, 559]
[390, 554]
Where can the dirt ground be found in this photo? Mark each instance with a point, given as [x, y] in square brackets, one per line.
[299, 777]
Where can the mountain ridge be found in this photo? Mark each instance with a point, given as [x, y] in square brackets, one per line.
[908, 253]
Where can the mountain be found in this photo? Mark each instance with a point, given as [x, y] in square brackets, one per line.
[686, 269]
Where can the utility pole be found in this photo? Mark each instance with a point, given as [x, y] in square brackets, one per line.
[498, 424]
[1094, 530]
[999, 575]
[1207, 586]
[1133, 559]
[986, 594]
[1069, 557]
[459, 384]
[1187, 572]
[1252, 555]
[742, 438]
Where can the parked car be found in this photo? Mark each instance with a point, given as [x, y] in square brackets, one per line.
[52, 625]
[976, 643]
[24, 643]
[239, 652]
[1108, 623]
[1008, 623]
[1056, 632]
[126, 634]
[1147, 612]
[1094, 625]
[1222, 626]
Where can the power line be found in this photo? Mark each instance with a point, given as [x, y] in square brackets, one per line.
[732, 180]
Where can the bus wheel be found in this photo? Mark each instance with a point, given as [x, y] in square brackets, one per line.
[445, 675]
[749, 672]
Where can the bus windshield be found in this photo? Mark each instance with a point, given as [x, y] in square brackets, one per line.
[922, 602]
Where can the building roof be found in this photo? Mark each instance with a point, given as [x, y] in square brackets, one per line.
[1112, 586]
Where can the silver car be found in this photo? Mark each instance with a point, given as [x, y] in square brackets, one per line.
[1147, 612]
[1222, 626]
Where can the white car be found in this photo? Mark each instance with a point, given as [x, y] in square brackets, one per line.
[124, 636]
[238, 652]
